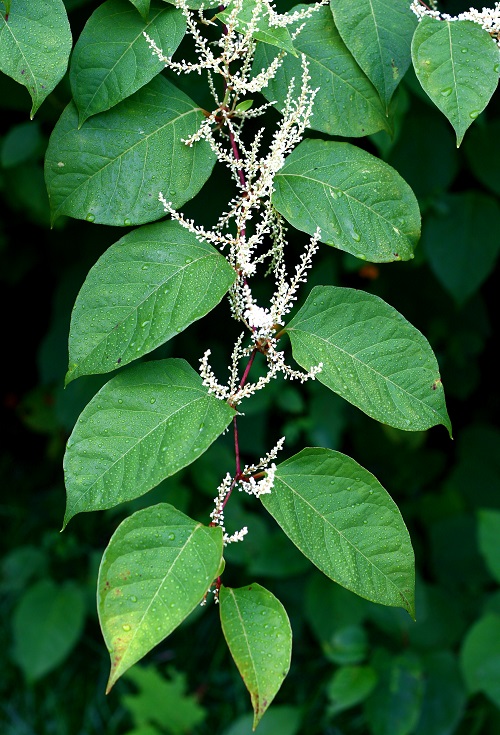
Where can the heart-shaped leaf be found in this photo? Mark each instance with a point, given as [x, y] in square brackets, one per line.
[146, 288]
[346, 103]
[144, 425]
[343, 520]
[103, 73]
[35, 44]
[458, 64]
[156, 568]
[360, 203]
[259, 636]
[378, 34]
[112, 169]
[372, 356]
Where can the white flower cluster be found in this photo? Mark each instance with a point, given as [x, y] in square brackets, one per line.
[487, 18]
[247, 483]
[251, 233]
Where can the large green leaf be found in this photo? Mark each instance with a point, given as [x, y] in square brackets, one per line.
[112, 169]
[46, 624]
[145, 424]
[457, 64]
[273, 35]
[360, 203]
[146, 288]
[155, 570]
[35, 43]
[480, 657]
[112, 60]
[461, 241]
[371, 356]
[378, 33]
[346, 103]
[343, 520]
[258, 633]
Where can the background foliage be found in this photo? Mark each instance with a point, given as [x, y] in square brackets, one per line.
[356, 667]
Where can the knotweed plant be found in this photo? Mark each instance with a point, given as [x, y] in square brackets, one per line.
[131, 150]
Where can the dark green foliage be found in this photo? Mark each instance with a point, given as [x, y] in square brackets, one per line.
[357, 667]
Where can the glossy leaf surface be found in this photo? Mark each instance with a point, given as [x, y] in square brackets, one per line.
[144, 425]
[156, 568]
[360, 204]
[346, 103]
[378, 33]
[102, 72]
[145, 289]
[343, 520]
[35, 43]
[458, 64]
[258, 633]
[112, 169]
[372, 356]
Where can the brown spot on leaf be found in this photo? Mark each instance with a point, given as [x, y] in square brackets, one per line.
[436, 384]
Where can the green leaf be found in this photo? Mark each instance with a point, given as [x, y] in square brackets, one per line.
[35, 43]
[273, 35]
[480, 657]
[343, 520]
[349, 686]
[394, 705]
[143, 7]
[161, 700]
[360, 204]
[461, 241]
[378, 34]
[156, 568]
[371, 356]
[346, 103]
[46, 625]
[102, 73]
[457, 63]
[489, 534]
[112, 169]
[144, 425]
[145, 289]
[258, 633]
